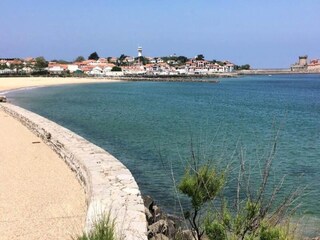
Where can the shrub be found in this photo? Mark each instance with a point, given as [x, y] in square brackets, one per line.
[256, 213]
[104, 229]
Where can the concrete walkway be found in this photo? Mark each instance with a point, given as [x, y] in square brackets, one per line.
[40, 197]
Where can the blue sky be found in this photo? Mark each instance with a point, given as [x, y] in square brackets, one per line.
[264, 34]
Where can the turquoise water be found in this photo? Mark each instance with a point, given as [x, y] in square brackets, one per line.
[149, 126]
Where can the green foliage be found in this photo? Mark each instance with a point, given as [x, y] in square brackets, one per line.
[215, 230]
[242, 67]
[116, 69]
[3, 66]
[102, 230]
[78, 73]
[224, 228]
[122, 57]
[79, 59]
[200, 57]
[121, 61]
[93, 56]
[255, 214]
[41, 63]
[60, 61]
[202, 185]
[40, 73]
[272, 233]
[180, 60]
[142, 60]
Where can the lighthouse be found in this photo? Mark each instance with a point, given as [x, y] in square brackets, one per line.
[139, 51]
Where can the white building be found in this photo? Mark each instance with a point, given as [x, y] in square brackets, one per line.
[97, 71]
[139, 51]
[72, 68]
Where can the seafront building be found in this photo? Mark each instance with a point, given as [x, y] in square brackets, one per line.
[314, 65]
[140, 65]
[303, 66]
[129, 66]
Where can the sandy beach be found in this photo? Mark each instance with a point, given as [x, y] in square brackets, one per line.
[16, 83]
[40, 197]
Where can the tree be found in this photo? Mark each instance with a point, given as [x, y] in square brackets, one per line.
[242, 67]
[3, 66]
[142, 60]
[79, 59]
[256, 214]
[201, 185]
[61, 61]
[17, 67]
[116, 69]
[93, 56]
[246, 67]
[41, 63]
[182, 59]
[200, 57]
[121, 59]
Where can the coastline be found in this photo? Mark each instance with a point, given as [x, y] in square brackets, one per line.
[108, 184]
[12, 83]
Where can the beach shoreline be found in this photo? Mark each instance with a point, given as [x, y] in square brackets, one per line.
[12, 83]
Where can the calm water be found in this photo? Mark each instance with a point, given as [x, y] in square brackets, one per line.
[149, 126]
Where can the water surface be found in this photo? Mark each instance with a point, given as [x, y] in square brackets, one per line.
[149, 126]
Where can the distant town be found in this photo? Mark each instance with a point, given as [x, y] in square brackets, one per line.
[119, 66]
[140, 65]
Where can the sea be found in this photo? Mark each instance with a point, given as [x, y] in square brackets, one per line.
[158, 128]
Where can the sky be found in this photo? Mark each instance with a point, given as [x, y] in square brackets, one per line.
[264, 34]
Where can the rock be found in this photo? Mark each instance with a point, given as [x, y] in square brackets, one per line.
[172, 230]
[156, 213]
[163, 226]
[159, 236]
[178, 221]
[185, 235]
[148, 202]
[149, 216]
[158, 227]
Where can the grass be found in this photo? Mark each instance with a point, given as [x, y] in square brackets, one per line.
[104, 229]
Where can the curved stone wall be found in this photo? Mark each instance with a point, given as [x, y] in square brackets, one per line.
[108, 184]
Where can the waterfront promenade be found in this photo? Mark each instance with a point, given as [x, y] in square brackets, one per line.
[40, 197]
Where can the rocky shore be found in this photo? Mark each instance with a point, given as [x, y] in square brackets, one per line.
[163, 226]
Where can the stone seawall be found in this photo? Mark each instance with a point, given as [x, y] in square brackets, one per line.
[108, 184]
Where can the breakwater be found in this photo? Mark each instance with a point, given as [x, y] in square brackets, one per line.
[208, 78]
[277, 71]
[108, 184]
